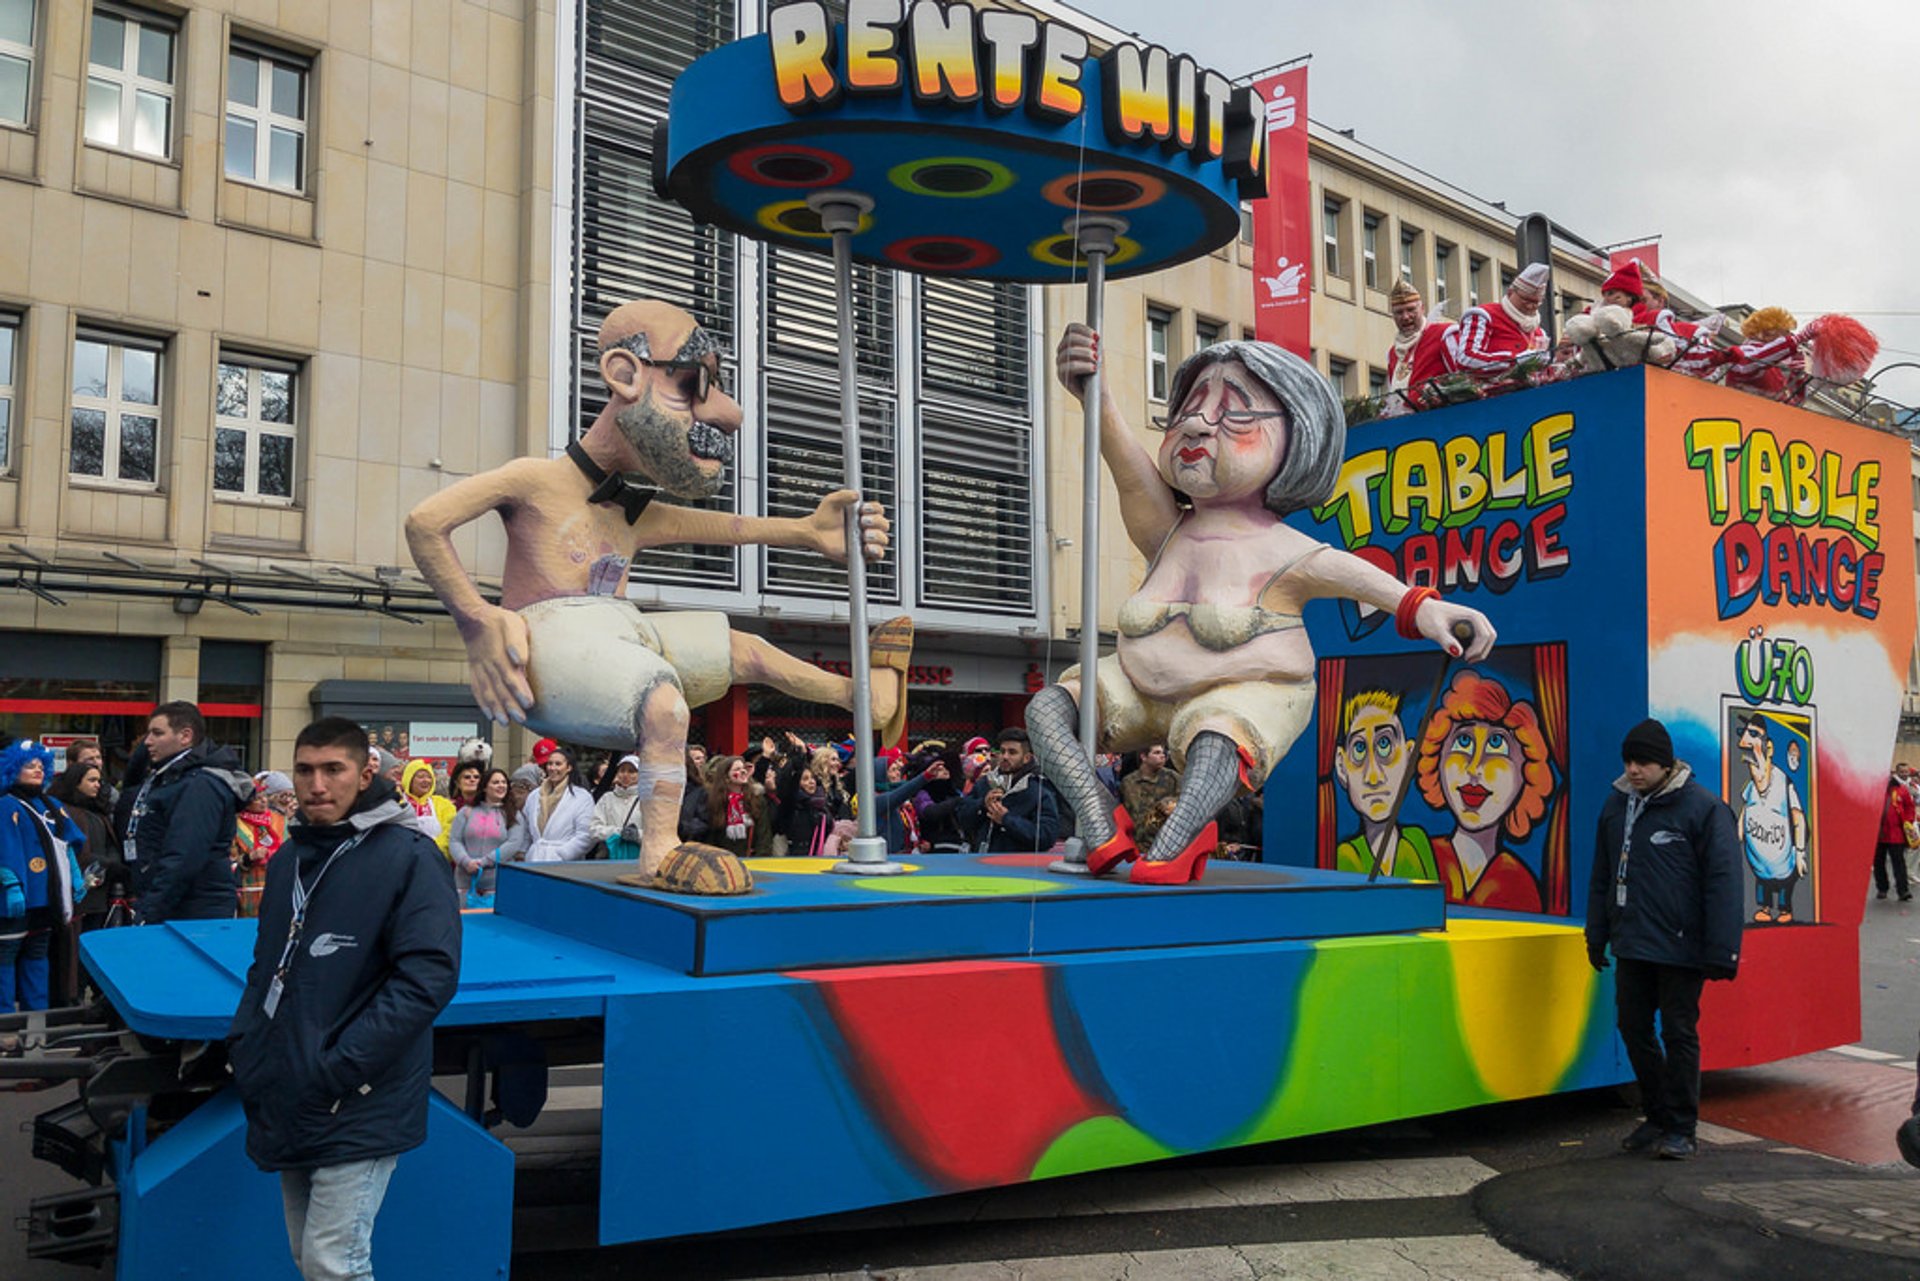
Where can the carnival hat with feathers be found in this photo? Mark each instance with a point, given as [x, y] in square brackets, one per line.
[15, 758]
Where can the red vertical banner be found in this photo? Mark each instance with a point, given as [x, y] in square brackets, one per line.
[1283, 222]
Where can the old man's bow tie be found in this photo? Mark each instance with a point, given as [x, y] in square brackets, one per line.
[627, 488]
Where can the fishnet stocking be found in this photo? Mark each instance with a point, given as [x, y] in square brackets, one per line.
[1211, 777]
[1053, 723]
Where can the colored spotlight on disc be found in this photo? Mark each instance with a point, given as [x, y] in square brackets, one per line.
[1104, 190]
[1058, 251]
[942, 253]
[951, 177]
[793, 218]
[786, 164]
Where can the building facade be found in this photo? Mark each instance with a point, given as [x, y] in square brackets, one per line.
[277, 269]
[267, 282]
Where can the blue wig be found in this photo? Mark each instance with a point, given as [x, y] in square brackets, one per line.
[15, 757]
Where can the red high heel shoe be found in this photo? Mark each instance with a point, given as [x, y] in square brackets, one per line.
[1189, 865]
[1116, 849]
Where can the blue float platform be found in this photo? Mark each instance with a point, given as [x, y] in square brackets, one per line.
[975, 1023]
[950, 907]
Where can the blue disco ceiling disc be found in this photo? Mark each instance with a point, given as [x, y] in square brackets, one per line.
[961, 189]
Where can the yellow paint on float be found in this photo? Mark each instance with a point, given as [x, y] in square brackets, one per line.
[1501, 968]
[802, 864]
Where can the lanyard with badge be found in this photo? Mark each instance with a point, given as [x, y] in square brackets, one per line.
[129, 852]
[302, 895]
[1626, 851]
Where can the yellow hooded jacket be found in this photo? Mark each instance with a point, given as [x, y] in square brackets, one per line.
[432, 807]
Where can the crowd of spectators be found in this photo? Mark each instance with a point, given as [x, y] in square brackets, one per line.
[187, 835]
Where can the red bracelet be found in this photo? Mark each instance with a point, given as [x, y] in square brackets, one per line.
[1403, 617]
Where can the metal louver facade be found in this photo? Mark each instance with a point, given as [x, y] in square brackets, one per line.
[945, 368]
[975, 447]
[803, 409]
[631, 243]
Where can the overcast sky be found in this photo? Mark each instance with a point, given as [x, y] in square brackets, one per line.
[1773, 147]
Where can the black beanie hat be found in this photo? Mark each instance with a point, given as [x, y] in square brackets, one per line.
[1648, 741]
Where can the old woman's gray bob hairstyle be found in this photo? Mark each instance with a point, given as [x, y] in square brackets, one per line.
[1316, 423]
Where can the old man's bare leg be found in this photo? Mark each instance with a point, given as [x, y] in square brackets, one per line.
[663, 717]
[758, 661]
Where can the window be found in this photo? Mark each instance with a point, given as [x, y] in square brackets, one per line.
[116, 408]
[266, 117]
[9, 345]
[1376, 382]
[1330, 212]
[1442, 270]
[1476, 278]
[130, 82]
[253, 427]
[1207, 332]
[16, 64]
[1159, 331]
[1507, 276]
[1246, 224]
[1409, 249]
[1370, 248]
[1339, 373]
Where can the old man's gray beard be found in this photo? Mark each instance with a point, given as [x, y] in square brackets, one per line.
[667, 450]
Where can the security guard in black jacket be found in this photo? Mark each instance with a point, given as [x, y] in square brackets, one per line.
[179, 834]
[1665, 895]
[357, 954]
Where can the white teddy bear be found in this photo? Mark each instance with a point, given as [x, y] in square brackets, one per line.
[1608, 339]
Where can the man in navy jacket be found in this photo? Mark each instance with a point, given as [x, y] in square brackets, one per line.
[1013, 809]
[332, 1045]
[1666, 896]
[179, 835]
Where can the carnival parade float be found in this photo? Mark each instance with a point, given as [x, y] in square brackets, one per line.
[1644, 543]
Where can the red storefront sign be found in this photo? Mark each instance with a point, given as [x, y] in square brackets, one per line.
[929, 675]
[1283, 220]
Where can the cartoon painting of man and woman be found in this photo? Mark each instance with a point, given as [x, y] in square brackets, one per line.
[1450, 773]
[1767, 777]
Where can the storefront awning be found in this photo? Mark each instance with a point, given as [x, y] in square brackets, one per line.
[250, 589]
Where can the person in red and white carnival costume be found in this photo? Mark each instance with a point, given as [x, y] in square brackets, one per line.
[1697, 355]
[1491, 338]
[1627, 288]
[1768, 363]
[1416, 348]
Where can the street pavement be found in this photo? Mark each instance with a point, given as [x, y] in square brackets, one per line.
[1797, 1177]
[1890, 976]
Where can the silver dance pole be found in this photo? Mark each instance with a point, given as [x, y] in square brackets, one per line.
[840, 213]
[1095, 237]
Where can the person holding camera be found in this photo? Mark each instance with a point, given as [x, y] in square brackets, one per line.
[1012, 809]
[616, 816]
[808, 802]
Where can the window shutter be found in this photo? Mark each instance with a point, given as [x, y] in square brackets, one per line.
[631, 243]
[803, 410]
[975, 447]
[804, 465]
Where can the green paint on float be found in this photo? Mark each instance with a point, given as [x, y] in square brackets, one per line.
[1378, 1038]
[1099, 1143]
[962, 886]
